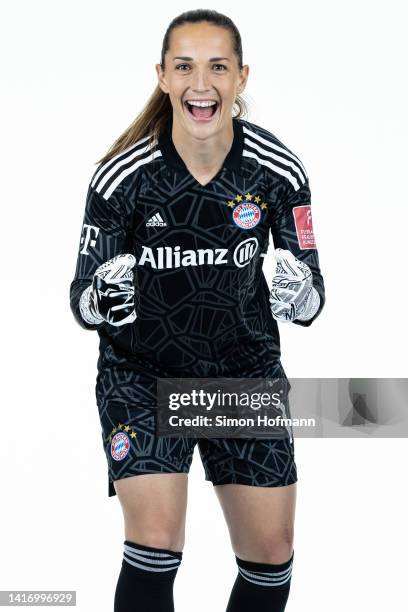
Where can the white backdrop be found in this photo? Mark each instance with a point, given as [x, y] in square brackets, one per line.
[329, 79]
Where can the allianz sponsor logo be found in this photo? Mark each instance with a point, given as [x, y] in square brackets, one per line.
[173, 257]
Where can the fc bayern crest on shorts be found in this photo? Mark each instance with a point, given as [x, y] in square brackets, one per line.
[120, 446]
[246, 215]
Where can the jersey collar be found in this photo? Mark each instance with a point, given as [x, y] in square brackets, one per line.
[172, 158]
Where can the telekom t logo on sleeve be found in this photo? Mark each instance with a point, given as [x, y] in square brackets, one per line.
[304, 226]
[87, 239]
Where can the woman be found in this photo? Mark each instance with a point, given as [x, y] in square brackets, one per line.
[181, 207]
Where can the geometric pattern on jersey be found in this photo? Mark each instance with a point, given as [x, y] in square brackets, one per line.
[134, 380]
[203, 300]
[256, 462]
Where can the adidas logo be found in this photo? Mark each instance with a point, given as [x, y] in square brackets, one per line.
[156, 221]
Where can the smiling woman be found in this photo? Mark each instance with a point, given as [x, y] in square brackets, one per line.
[188, 197]
[201, 49]
[202, 74]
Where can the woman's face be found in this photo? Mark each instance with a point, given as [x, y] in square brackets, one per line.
[201, 67]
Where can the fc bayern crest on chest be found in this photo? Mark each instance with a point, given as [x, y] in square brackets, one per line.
[247, 210]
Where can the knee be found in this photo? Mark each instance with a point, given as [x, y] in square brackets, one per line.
[276, 553]
[275, 549]
[159, 539]
[279, 547]
[168, 535]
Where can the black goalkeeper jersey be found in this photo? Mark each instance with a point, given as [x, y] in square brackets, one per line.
[202, 300]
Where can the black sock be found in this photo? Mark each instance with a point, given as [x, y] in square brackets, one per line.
[146, 579]
[260, 587]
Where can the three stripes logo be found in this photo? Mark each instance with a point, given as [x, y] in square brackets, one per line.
[156, 221]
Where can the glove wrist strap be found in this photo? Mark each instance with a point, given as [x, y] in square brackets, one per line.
[86, 310]
[311, 306]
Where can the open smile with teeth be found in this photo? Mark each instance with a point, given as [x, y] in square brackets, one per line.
[201, 110]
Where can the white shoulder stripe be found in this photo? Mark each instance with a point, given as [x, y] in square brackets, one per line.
[134, 148]
[276, 147]
[278, 158]
[118, 165]
[272, 166]
[128, 171]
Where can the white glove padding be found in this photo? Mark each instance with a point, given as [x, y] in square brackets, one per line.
[111, 296]
[292, 295]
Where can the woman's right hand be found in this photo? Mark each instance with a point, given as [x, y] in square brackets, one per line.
[110, 298]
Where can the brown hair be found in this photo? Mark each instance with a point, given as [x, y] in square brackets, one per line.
[154, 116]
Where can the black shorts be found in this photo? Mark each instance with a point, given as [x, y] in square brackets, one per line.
[132, 447]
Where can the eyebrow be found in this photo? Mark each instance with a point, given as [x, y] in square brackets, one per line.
[212, 59]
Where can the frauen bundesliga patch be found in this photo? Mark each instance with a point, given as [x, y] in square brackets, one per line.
[304, 226]
[120, 446]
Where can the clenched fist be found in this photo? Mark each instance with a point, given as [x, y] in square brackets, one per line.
[111, 296]
[292, 295]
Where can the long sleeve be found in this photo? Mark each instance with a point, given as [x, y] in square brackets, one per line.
[292, 229]
[103, 235]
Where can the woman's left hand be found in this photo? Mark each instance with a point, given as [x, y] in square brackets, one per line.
[292, 295]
